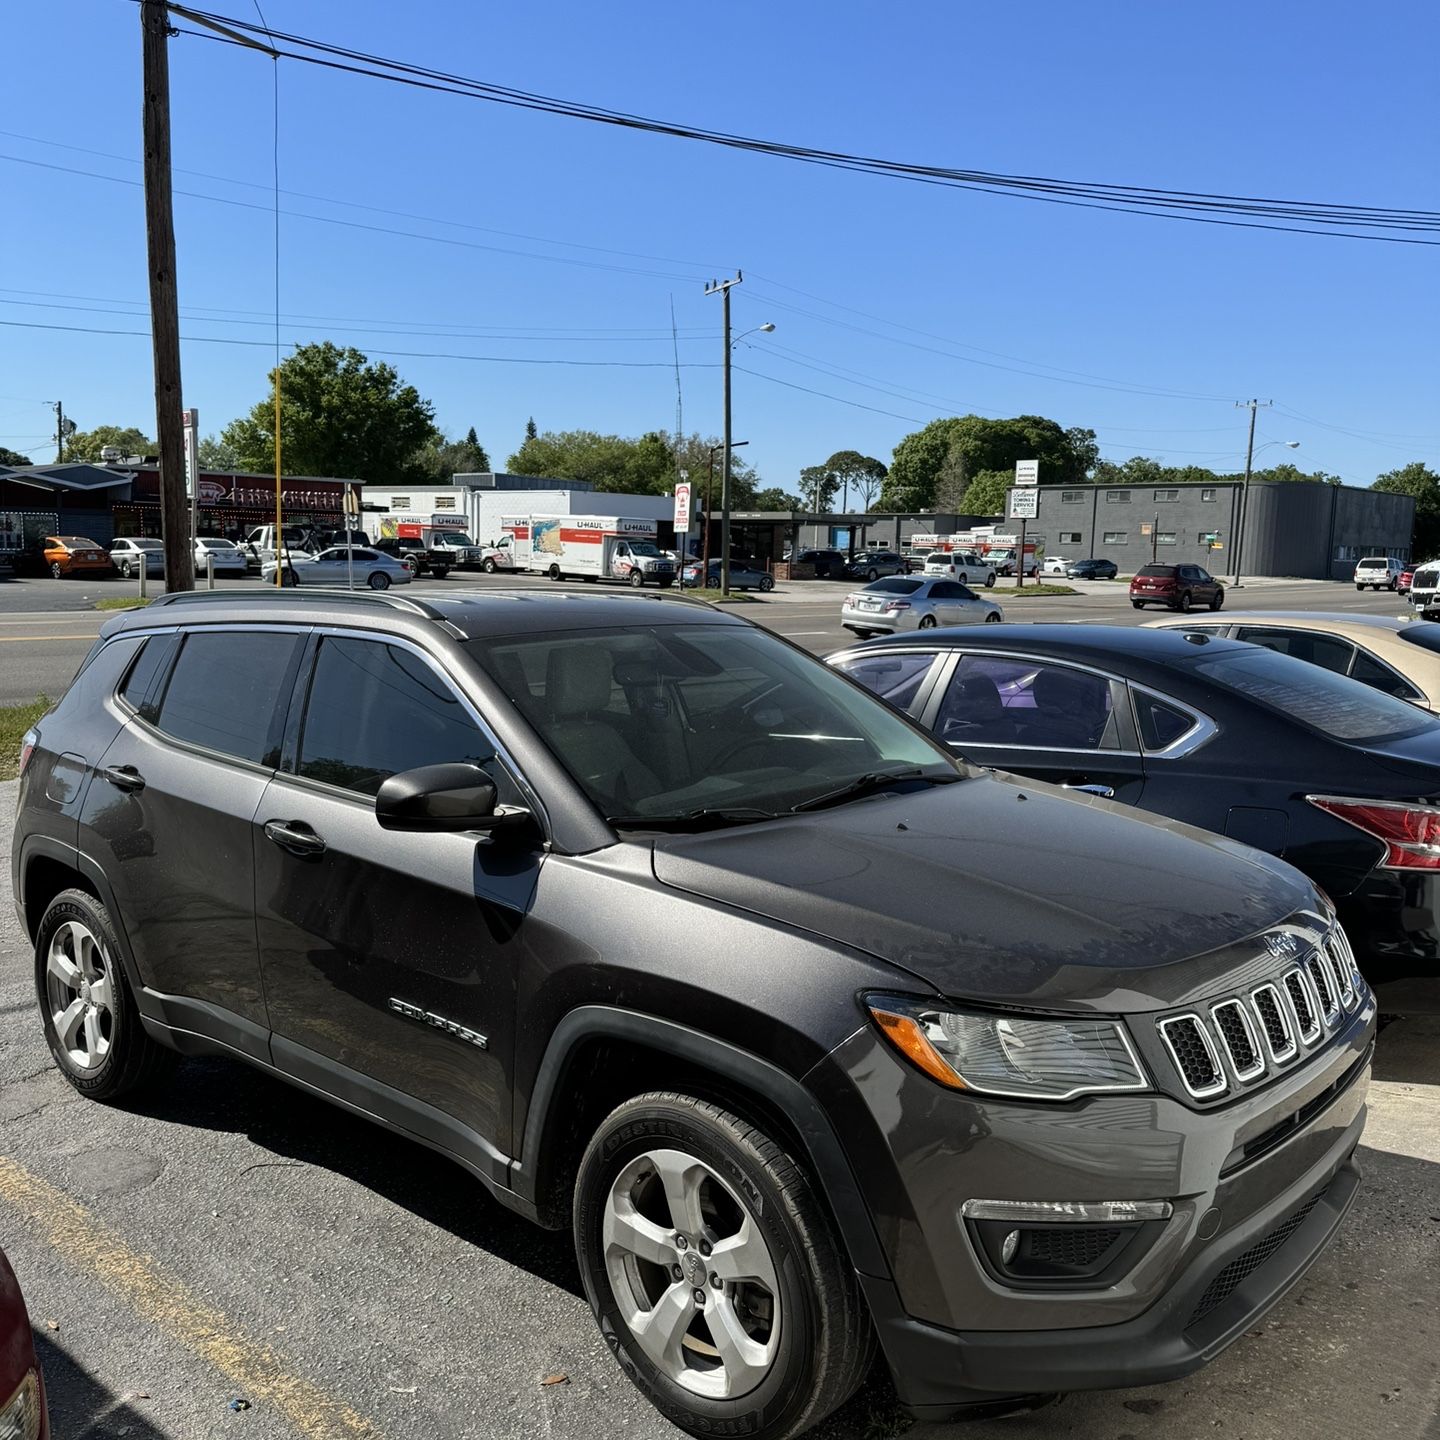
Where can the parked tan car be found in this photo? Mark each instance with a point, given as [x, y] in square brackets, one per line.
[1400, 657]
[75, 555]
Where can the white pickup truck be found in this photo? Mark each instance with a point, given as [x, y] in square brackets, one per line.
[962, 565]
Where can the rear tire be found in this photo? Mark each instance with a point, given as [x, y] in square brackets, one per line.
[795, 1337]
[125, 569]
[767, 582]
[927, 622]
[439, 571]
[1138, 604]
[79, 977]
[554, 573]
[379, 581]
[1359, 587]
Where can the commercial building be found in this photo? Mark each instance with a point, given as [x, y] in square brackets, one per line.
[1305, 529]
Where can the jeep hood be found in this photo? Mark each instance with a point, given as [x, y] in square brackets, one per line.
[1004, 891]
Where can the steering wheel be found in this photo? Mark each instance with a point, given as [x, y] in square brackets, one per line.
[738, 747]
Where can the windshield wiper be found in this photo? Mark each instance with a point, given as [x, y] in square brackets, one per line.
[873, 781]
[702, 819]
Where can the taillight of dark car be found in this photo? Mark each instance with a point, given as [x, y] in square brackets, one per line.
[1409, 832]
[27, 747]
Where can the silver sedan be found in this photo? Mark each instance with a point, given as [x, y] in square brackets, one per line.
[336, 566]
[915, 602]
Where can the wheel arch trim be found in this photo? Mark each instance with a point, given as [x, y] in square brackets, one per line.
[823, 1150]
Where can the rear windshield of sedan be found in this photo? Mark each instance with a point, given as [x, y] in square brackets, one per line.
[77, 542]
[1332, 704]
[1166, 572]
[894, 585]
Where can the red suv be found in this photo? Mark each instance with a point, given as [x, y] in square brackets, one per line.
[1181, 587]
[22, 1391]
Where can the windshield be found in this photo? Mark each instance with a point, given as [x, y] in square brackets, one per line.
[142, 544]
[667, 720]
[1335, 705]
[644, 547]
[893, 585]
[1423, 634]
[78, 542]
[454, 537]
[216, 544]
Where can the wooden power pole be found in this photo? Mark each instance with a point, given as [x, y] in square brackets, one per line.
[164, 298]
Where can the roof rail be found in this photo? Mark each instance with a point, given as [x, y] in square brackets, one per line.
[667, 596]
[312, 592]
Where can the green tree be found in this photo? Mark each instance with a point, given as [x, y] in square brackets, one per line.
[1418, 480]
[340, 416]
[774, 498]
[217, 455]
[1290, 472]
[861, 474]
[478, 453]
[818, 484]
[87, 444]
[961, 449]
[531, 432]
[14, 458]
[440, 459]
[987, 492]
[649, 465]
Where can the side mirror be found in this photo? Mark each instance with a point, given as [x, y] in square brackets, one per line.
[456, 796]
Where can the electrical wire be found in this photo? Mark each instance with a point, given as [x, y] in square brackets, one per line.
[1326, 218]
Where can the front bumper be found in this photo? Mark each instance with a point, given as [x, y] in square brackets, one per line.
[955, 1334]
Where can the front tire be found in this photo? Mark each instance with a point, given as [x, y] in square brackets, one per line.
[767, 583]
[1185, 603]
[55, 570]
[1217, 600]
[993, 618]
[672, 1186]
[91, 1023]
[990, 581]
[488, 566]
[637, 579]
[1138, 604]
[439, 571]
[125, 569]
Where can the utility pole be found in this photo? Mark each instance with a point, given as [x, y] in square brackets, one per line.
[59, 431]
[722, 287]
[164, 298]
[1252, 406]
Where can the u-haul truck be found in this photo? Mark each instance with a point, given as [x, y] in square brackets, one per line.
[595, 547]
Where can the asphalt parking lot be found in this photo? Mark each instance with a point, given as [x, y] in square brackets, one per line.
[232, 1240]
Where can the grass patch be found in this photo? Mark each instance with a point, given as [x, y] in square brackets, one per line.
[15, 720]
[120, 602]
[1040, 590]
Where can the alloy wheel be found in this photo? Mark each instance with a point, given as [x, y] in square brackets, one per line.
[78, 989]
[692, 1274]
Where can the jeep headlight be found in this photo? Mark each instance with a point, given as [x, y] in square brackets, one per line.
[1020, 1056]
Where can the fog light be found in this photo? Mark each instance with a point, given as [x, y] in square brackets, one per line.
[1009, 1247]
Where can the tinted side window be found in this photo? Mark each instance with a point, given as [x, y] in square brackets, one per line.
[992, 701]
[1322, 650]
[947, 590]
[375, 710]
[1369, 671]
[228, 692]
[1160, 724]
[139, 687]
[896, 678]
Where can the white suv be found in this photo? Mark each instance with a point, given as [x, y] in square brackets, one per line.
[962, 565]
[1379, 572]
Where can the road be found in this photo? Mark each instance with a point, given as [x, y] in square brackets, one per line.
[46, 626]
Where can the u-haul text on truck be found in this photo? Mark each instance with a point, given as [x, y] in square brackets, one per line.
[598, 547]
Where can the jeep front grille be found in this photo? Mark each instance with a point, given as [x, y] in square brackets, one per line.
[1241, 1040]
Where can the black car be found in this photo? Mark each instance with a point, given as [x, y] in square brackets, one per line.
[1091, 570]
[873, 564]
[829, 564]
[416, 555]
[949, 1075]
[1322, 770]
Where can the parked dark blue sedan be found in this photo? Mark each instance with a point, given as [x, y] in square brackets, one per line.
[1320, 769]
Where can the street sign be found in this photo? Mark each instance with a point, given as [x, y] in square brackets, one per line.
[1027, 472]
[352, 501]
[682, 507]
[1024, 504]
[1145, 529]
[190, 421]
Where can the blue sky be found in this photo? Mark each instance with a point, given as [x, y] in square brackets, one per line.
[1147, 330]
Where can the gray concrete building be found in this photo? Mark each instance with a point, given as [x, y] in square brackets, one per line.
[1305, 529]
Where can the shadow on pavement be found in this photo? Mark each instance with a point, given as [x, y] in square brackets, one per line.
[217, 1094]
[1408, 1051]
[80, 1407]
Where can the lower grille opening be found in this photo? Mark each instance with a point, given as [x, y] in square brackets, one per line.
[1243, 1266]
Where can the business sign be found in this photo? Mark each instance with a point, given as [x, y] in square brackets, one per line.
[1027, 472]
[1024, 504]
[190, 420]
[682, 505]
[352, 502]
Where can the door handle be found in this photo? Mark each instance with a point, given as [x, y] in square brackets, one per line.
[124, 777]
[296, 837]
[1106, 792]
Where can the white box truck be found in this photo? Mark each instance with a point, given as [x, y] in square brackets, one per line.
[592, 547]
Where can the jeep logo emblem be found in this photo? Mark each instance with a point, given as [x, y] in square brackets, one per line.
[1283, 946]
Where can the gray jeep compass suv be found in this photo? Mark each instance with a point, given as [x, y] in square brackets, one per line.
[1031, 1092]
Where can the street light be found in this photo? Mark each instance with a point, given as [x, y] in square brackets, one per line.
[765, 329]
[1251, 451]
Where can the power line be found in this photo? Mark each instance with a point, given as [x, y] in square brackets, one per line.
[1314, 217]
[389, 354]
